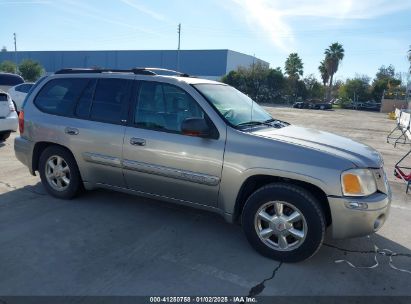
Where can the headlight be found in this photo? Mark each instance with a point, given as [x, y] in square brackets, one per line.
[358, 182]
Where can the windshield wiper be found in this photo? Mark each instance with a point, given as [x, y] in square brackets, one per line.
[274, 123]
[256, 123]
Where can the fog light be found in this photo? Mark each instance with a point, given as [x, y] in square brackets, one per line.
[379, 222]
[356, 205]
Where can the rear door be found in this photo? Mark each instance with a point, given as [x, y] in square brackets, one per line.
[159, 159]
[93, 126]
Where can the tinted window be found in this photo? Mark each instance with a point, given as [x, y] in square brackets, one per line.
[34, 86]
[24, 88]
[59, 96]
[84, 104]
[3, 97]
[10, 79]
[109, 100]
[164, 107]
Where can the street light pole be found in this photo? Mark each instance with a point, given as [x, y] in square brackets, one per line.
[178, 48]
[15, 50]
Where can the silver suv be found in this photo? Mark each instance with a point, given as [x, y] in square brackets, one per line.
[203, 144]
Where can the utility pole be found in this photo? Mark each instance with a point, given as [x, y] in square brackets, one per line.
[15, 49]
[179, 44]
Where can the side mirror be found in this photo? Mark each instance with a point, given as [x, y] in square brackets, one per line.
[195, 127]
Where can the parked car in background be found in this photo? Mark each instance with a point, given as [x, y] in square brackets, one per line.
[8, 80]
[301, 105]
[369, 105]
[18, 93]
[8, 116]
[318, 104]
[203, 144]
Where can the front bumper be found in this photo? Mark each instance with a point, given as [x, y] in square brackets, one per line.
[355, 217]
[9, 123]
[23, 149]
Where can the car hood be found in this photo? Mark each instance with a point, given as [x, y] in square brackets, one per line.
[359, 154]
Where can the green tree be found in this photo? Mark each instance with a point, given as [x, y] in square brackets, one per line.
[294, 66]
[8, 66]
[384, 80]
[357, 88]
[258, 81]
[333, 56]
[4, 49]
[294, 69]
[324, 73]
[314, 87]
[30, 70]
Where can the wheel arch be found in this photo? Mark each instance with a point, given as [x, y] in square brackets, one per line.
[255, 182]
[39, 147]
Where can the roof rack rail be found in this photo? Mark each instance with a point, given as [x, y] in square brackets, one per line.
[161, 71]
[137, 71]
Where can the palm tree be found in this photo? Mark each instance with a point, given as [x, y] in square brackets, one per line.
[294, 69]
[333, 55]
[294, 66]
[324, 73]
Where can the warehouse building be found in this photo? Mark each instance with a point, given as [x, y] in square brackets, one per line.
[211, 64]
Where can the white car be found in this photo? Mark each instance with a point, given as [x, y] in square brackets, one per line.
[18, 93]
[8, 116]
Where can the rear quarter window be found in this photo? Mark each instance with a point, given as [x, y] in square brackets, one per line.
[24, 88]
[59, 96]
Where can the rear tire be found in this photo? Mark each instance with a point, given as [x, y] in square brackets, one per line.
[4, 135]
[294, 236]
[59, 173]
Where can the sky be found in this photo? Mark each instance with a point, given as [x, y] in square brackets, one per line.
[373, 32]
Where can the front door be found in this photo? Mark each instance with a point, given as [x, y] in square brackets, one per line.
[158, 159]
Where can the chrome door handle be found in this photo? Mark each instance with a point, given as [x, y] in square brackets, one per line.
[71, 131]
[137, 141]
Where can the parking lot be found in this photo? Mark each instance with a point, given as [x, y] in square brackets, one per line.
[107, 243]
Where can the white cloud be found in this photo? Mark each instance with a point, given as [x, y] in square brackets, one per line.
[272, 17]
[143, 9]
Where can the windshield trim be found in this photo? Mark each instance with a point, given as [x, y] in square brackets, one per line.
[218, 112]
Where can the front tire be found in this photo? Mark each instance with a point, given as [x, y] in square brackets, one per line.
[59, 173]
[284, 222]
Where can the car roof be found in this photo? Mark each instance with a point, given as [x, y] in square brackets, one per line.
[139, 73]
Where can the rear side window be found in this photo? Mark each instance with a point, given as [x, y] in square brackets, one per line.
[110, 100]
[84, 104]
[3, 97]
[59, 96]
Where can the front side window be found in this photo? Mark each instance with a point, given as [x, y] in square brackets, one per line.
[164, 107]
[238, 109]
[59, 96]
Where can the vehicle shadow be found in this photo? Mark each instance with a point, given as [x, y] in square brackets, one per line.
[107, 243]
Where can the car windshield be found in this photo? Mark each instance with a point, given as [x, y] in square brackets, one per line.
[237, 108]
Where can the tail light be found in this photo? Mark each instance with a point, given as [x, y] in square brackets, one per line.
[11, 107]
[21, 122]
